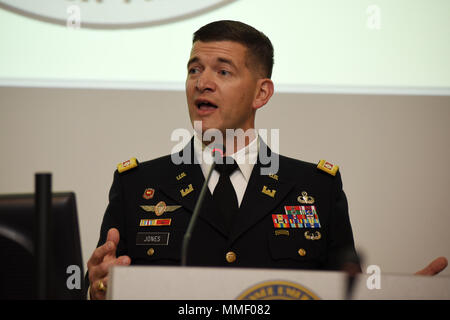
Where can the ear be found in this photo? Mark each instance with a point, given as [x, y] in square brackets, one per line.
[264, 91]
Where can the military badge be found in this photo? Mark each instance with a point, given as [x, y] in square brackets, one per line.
[282, 232]
[280, 220]
[312, 219]
[185, 192]
[287, 221]
[160, 208]
[306, 216]
[148, 193]
[305, 199]
[313, 235]
[127, 165]
[328, 167]
[295, 221]
[270, 193]
[181, 176]
[155, 222]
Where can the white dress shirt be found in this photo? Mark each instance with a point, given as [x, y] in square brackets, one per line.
[245, 158]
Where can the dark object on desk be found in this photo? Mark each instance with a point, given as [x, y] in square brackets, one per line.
[18, 245]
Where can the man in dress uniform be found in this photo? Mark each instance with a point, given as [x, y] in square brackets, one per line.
[295, 216]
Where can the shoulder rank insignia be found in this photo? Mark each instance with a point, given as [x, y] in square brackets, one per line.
[328, 167]
[127, 165]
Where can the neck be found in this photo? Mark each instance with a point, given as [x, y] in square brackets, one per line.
[233, 140]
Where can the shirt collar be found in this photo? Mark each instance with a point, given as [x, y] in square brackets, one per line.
[245, 157]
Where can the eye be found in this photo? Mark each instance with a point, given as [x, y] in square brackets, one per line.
[224, 72]
[193, 70]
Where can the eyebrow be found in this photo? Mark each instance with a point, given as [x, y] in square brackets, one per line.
[192, 60]
[227, 61]
[221, 60]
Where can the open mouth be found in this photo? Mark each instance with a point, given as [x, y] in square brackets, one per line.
[205, 105]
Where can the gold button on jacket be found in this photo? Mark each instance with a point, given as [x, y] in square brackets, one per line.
[231, 257]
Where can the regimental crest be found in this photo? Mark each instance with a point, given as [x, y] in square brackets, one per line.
[148, 193]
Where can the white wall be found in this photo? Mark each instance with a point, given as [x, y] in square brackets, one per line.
[392, 151]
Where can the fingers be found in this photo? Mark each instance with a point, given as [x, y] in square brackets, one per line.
[123, 261]
[102, 259]
[99, 254]
[100, 270]
[98, 288]
[114, 236]
[436, 266]
[99, 274]
[108, 248]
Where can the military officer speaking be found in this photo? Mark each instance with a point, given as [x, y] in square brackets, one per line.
[294, 217]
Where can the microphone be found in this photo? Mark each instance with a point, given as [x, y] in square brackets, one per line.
[218, 153]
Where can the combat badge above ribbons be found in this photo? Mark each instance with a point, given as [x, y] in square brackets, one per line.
[305, 199]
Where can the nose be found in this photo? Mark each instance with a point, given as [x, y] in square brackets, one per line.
[205, 82]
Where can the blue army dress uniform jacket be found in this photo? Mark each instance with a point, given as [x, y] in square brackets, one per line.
[151, 206]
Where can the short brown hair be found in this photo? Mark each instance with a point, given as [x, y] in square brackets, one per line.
[257, 43]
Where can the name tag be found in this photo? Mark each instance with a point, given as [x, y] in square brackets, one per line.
[152, 238]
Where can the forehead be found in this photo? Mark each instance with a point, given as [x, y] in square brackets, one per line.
[219, 49]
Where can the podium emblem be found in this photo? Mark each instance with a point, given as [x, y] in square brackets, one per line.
[278, 290]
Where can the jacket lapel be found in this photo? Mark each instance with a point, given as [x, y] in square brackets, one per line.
[263, 194]
[184, 183]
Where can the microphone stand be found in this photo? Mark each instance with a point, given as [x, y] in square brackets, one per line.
[351, 265]
[197, 208]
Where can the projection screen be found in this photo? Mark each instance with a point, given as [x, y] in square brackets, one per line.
[348, 46]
